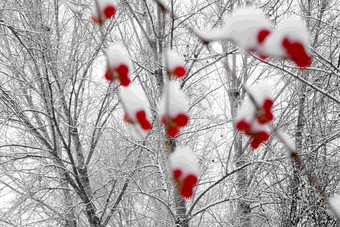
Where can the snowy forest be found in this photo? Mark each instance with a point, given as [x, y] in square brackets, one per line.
[169, 113]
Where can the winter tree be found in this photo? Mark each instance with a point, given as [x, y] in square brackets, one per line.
[169, 113]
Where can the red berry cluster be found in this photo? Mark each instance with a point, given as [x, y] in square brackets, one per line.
[185, 184]
[253, 115]
[174, 124]
[296, 51]
[120, 73]
[141, 120]
[184, 167]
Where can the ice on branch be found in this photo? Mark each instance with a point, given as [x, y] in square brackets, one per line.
[173, 109]
[247, 27]
[104, 10]
[286, 140]
[175, 64]
[334, 202]
[184, 168]
[254, 113]
[289, 40]
[136, 106]
[119, 65]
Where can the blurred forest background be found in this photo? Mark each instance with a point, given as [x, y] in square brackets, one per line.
[68, 159]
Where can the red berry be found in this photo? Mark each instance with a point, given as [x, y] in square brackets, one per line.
[187, 192]
[176, 173]
[243, 126]
[190, 180]
[109, 11]
[181, 120]
[180, 71]
[255, 143]
[268, 103]
[285, 43]
[298, 54]
[188, 184]
[108, 76]
[172, 132]
[262, 35]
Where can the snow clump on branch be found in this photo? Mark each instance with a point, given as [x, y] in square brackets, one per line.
[119, 65]
[106, 8]
[185, 170]
[136, 106]
[251, 31]
[289, 40]
[254, 113]
[175, 64]
[247, 28]
[173, 109]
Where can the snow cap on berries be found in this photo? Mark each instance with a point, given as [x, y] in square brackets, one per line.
[173, 109]
[245, 115]
[184, 167]
[255, 112]
[290, 40]
[136, 106]
[247, 27]
[177, 101]
[119, 65]
[262, 95]
[258, 134]
[175, 64]
[107, 9]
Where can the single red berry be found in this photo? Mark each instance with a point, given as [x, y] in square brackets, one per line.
[125, 81]
[108, 76]
[267, 105]
[181, 120]
[179, 71]
[243, 126]
[176, 173]
[109, 11]
[285, 43]
[190, 180]
[188, 184]
[172, 132]
[187, 191]
[255, 143]
[262, 35]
